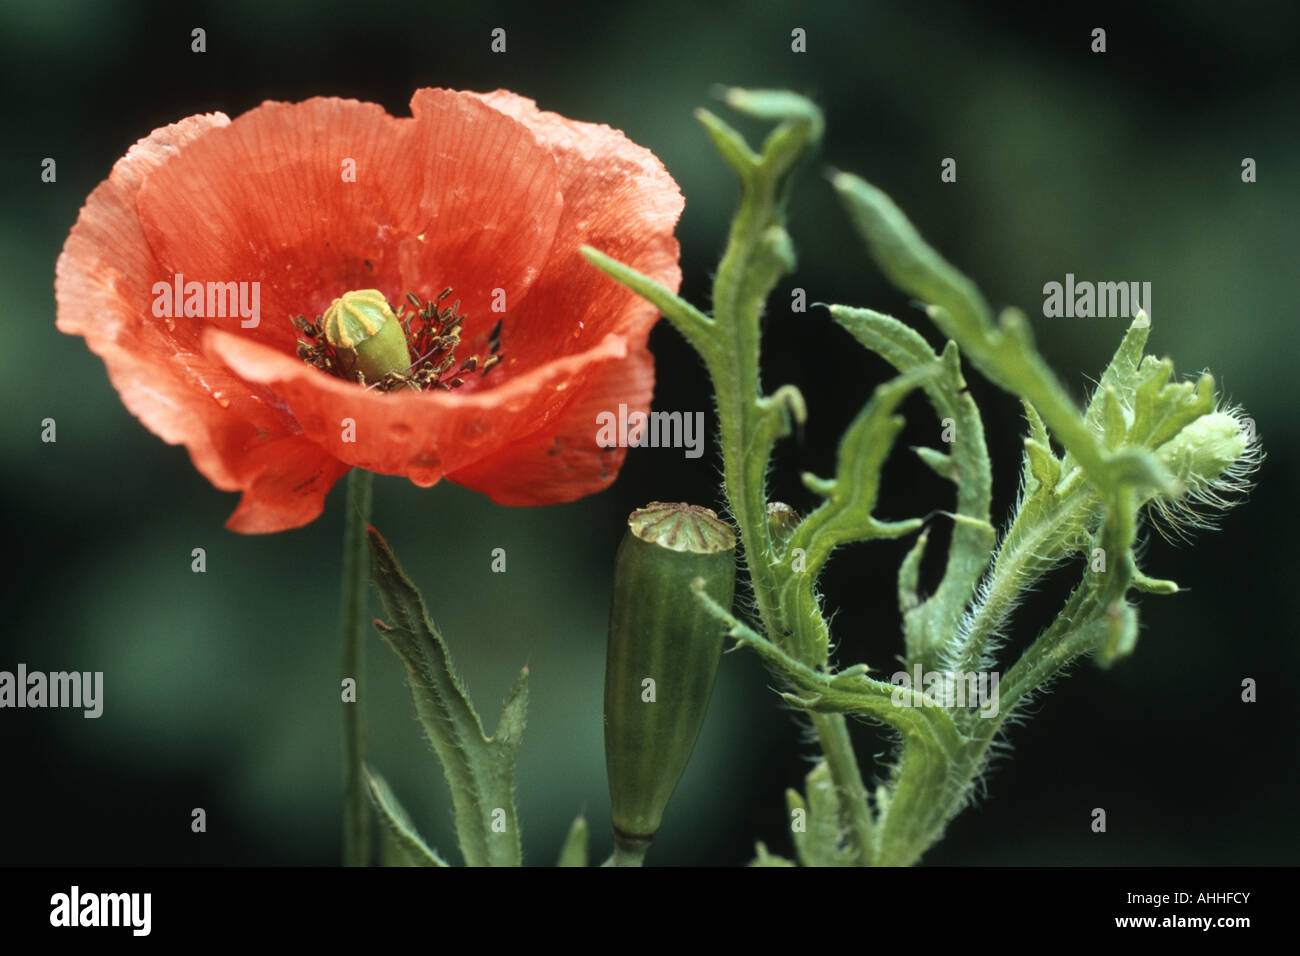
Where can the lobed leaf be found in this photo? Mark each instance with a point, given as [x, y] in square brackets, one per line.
[821, 839]
[928, 625]
[404, 846]
[479, 769]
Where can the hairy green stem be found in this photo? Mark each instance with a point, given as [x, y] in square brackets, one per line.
[833, 735]
[1023, 556]
[748, 437]
[356, 819]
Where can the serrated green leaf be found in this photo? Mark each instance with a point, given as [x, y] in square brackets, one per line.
[1121, 374]
[1043, 466]
[1153, 375]
[846, 516]
[479, 770]
[911, 818]
[1049, 525]
[930, 625]
[404, 845]
[1037, 430]
[1112, 415]
[1041, 470]
[510, 725]
[1163, 409]
[1003, 352]
[819, 836]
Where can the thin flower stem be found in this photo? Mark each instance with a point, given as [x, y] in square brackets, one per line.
[356, 820]
[628, 852]
[833, 736]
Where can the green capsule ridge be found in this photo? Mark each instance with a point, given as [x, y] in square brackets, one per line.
[660, 632]
[366, 335]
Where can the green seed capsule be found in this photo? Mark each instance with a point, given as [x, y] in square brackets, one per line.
[366, 335]
[662, 658]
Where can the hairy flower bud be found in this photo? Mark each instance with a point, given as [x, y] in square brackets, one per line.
[1213, 458]
[1203, 450]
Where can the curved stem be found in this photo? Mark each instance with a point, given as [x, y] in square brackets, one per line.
[356, 818]
[1023, 556]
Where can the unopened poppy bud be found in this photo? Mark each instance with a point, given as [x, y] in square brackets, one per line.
[1213, 459]
[662, 658]
[366, 335]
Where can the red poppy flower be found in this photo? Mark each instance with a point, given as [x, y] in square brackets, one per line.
[290, 206]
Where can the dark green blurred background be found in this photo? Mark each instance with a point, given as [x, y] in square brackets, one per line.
[221, 688]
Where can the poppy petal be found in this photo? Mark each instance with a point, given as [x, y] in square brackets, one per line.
[619, 198]
[103, 290]
[285, 484]
[316, 198]
[565, 463]
[303, 202]
[423, 435]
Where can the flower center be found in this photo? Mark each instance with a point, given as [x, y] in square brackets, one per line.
[361, 339]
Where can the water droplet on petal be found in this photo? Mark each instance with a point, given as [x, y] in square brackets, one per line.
[425, 469]
[474, 431]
